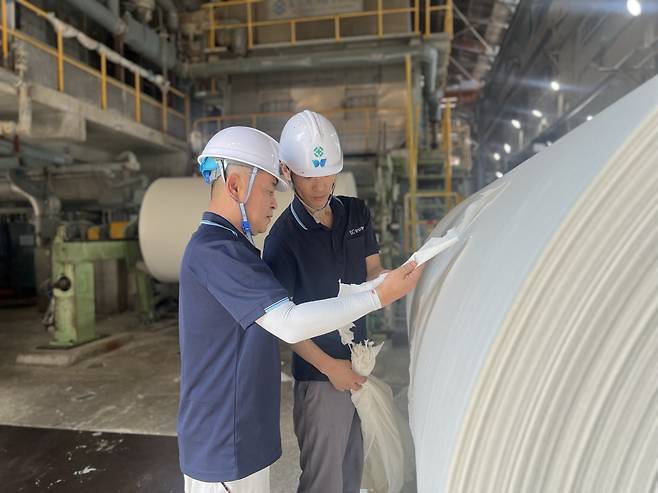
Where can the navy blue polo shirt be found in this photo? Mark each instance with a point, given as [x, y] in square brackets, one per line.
[309, 259]
[228, 420]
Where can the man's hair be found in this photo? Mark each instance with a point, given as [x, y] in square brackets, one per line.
[231, 167]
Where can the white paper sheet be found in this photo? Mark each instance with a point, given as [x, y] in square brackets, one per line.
[434, 246]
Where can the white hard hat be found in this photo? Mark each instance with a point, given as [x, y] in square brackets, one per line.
[245, 145]
[310, 146]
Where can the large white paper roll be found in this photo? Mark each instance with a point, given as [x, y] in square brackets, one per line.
[171, 211]
[534, 339]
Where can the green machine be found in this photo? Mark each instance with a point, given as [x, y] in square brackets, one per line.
[73, 285]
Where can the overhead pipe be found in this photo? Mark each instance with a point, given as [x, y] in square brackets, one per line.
[429, 63]
[124, 161]
[172, 13]
[35, 202]
[101, 15]
[148, 43]
[283, 63]
[139, 37]
[123, 172]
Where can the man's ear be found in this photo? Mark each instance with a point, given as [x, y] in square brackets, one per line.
[233, 185]
[285, 172]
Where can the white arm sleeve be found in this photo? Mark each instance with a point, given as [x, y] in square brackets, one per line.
[295, 323]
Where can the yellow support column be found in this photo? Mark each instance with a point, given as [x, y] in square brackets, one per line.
[428, 14]
[449, 21]
[250, 27]
[138, 98]
[447, 149]
[417, 16]
[380, 19]
[411, 153]
[103, 81]
[60, 62]
[5, 31]
[211, 32]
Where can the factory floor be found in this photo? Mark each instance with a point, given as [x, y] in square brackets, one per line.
[108, 423]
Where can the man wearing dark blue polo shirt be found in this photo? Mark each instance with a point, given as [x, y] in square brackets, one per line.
[232, 310]
[319, 240]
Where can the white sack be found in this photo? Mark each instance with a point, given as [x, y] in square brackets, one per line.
[383, 470]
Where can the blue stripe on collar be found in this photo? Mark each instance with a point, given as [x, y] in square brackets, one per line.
[210, 223]
[294, 213]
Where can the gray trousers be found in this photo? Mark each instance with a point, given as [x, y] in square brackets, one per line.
[328, 431]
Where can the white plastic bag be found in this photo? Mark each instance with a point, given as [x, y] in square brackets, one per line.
[383, 470]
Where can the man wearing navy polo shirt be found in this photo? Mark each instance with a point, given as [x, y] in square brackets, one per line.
[317, 241]
[232, 310]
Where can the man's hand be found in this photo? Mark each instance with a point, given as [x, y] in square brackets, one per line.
[342, 377]
[399, 282]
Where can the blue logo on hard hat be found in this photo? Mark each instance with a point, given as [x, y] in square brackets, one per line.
[320, 162]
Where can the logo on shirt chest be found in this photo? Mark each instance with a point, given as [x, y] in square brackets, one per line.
[356, 231]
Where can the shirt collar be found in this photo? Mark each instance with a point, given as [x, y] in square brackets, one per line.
[226, 224]
[305, 220]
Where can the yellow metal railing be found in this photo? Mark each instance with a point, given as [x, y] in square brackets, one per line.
[446, 126]
[412, 152]
[214, 25]
[62, 60]
[447, 195]
[447, 19]
[370, 115]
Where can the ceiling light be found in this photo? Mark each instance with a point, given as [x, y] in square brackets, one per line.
[555, 85]
[537, 113]
[507, 147]
[634, 7]
[496, 156]
[516, 124]
[589, 118]
[499, 174]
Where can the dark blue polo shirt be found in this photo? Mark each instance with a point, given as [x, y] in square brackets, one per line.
[228, 420]
[309, 259]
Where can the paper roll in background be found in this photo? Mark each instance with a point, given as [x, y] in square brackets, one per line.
[534, 339]
[171, 212]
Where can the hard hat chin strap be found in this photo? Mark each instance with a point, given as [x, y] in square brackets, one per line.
[246, 225]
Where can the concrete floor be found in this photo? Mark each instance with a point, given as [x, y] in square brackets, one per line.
[64, 461]
[133, 389]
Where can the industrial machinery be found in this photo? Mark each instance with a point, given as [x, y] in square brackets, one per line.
[72, 313]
